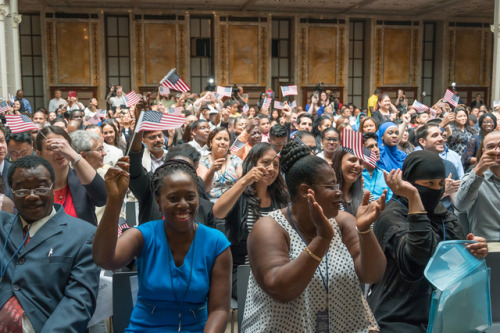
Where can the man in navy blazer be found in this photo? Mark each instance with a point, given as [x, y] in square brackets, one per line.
[48, 280]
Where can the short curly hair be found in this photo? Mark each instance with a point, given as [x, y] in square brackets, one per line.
[168, 168]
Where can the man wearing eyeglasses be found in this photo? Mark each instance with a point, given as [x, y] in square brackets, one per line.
[154, 156]
[48, 280]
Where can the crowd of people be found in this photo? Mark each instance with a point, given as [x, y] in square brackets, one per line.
[241, 184]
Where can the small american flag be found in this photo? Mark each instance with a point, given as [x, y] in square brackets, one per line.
[132, 99]
[266, 104]
[246, 108]
[419, 107]
[433, 113]
[224, 91]
[496, 103]
[101, 113]
[164, 91]
[121, 227]
[293, 105]
[174, 81]
[11, 99]
[94, 120]
[451, 98]
[278, 105]
[370, 157]
[20, 123]
[4, 107]
[177, 111]
[289, 90]
[157, 121]
[352, 142]
[237, 145]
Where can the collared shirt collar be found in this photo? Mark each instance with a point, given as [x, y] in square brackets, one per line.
[35, 226]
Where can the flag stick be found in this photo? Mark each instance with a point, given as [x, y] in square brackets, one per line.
[130, 144]
[137, 124]
[42, 134]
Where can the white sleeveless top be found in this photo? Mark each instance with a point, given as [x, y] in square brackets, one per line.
[348, 310]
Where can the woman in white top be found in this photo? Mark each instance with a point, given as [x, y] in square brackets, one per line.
[309, 259]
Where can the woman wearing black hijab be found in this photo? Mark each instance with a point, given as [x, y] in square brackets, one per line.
[409, 230]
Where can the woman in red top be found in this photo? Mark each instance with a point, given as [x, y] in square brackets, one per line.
[79, 188]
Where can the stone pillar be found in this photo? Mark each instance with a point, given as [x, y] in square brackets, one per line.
[495, 80]
[4, 87]
[13, 51]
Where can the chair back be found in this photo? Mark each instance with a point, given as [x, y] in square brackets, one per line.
[242, 285]
[123, 302]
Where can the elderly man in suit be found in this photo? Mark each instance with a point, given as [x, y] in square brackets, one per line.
[48, 280]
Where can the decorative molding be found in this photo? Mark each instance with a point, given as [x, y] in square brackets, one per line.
[303, 56]
[50, 53]
[4, 11]
[181, 70]
[263, 56]
[451, 52]
[378, 57]
[223, 55]
[414, 56]
[16, 20]
[139, 54]
[95, 53]
[341, 56]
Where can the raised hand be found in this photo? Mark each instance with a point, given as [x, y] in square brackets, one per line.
[218, 163]
[117, 179]
[323, 226]
[369, 212]
[399, 186]
[62, 147]
[255, 175]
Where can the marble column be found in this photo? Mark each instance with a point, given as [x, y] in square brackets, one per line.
[495, 81]
[13, 50]
[4, 11]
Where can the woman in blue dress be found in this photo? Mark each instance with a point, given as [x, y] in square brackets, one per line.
[184, 268]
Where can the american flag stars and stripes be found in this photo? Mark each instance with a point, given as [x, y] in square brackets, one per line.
[20, 123]
[176, 111]
[157, 121]
[293, 105]
[370, 157]
[101, 113]
[132, 99]
[174, 81]
[237, 145]
[121, 227]
[94, 120]
[289, 90]
[164, 91]
[4, 107]
[352, 142]
[245, 108]
[278, 105]
[419, 107]
[11, 99]
[451, 98]
[224, 91]
[266, 104]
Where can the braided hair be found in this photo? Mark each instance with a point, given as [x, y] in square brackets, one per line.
[299, 166]
[168, 168]
[277, 190]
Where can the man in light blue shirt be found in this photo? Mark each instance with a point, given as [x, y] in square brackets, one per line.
[25, 105]
[374, 180]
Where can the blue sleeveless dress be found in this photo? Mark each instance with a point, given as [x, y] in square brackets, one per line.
[157, 308]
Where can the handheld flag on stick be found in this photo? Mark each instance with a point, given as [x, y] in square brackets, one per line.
[11, 99]
[20, 123]
[451, 98]
[237, 145]
[419, 107]
[132, 99]
[352, 142]
[224, 91]
[164, 91]
[278, 105]
[95, 119]
[4, 107]
[289, 90]
[266, 104]
[293, 105]
[177, 111]
[370, 157]
[174, 81]
[157, 121]
[245, 108]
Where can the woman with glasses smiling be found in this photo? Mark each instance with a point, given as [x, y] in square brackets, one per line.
[79, 189]
[309, 258]
[330, 139]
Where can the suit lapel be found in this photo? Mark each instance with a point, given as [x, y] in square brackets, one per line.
[52, 227]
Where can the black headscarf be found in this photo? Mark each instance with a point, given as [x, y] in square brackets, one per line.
[420, 165]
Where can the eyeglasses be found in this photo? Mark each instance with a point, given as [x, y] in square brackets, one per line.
[153, 137]
[331, 139]
[37, 191]
[333, 187]
[98, 150]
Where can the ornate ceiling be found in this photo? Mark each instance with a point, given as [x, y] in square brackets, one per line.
[423, 9]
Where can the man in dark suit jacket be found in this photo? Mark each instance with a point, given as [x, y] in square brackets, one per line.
[49, 281]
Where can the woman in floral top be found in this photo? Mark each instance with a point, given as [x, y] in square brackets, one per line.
[219, 169]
